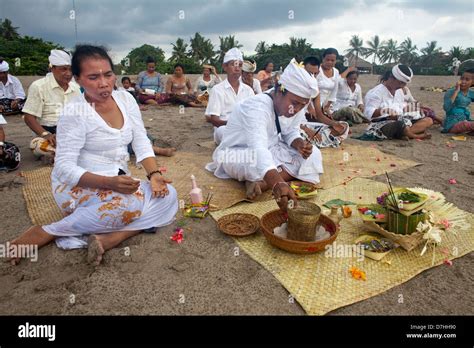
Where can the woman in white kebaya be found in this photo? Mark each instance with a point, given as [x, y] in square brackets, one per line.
[102, 204]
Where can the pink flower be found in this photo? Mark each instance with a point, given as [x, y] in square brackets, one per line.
[448, 262]
[445, 222]
[178, 235]
[452, 181]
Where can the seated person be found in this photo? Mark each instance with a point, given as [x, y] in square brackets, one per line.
[102, 204]
[226, 94]
[127, 86]
[328, 79]
[10, 156]
[413, 105]
[349, 105]
[384, 107]
[248, 68]
[12, 95]
[149, 85]
[262, 147]
[205, 82]
[321, 130]
[176, 88]
[456, 104]
[47, 96]
[266, 76]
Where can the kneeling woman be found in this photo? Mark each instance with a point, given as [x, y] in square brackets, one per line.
[102, 204]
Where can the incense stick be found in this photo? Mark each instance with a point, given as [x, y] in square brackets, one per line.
[392, 193]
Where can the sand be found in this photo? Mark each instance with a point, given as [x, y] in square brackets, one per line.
[206, 274]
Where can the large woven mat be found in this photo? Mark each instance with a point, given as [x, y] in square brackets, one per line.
[350, 161]
[321, 284]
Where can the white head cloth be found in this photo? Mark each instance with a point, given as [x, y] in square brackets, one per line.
[400, 76]
[233, 54]
[59, 58]
[248, 66]
[4, 66]
[298, 81]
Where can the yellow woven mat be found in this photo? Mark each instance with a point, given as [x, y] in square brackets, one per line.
[321, 284]
[349, 161]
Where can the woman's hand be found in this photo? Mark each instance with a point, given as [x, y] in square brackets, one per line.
[339, 128]
[122, 184]
[159, 186]
[282, 192]
[458, 86]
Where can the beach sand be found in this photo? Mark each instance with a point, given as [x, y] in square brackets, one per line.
[202, 275]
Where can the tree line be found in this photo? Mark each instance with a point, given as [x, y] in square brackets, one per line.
[29, 55]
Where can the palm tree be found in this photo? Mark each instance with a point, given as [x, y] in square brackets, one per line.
[456, 52]
[373, 50]
[356, 47]
[7, 30]
[408, 52]
[179, 51]
[261, 48]
[389, 51]
[201, 49]
[430, 51]
[226, 43]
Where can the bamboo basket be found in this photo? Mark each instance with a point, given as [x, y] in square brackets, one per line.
[275, 218]
[302, 221]
[238, 225]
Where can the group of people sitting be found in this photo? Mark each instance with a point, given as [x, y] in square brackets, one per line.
[268, 130]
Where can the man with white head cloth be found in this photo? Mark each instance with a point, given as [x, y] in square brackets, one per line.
[384, 107]
[224, 95]
[248, 69]
[12, 95]
[262, 147]
[47, 96]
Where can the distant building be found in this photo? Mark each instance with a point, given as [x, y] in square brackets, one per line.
[363, 66]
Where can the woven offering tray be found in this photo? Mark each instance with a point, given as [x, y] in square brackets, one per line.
[275, 218]
[238, 225]
[304, 190]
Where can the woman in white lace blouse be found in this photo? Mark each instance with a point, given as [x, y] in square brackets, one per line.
[91, 183]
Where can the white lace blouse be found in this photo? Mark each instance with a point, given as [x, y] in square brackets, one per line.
[86, 143]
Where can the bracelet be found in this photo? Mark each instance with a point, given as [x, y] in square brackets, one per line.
[45, 133]
[280, 182]
[154, 172]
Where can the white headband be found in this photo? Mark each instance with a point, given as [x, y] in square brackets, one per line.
[4, 66]
[59, 58]
[400, 76]
[233, 54]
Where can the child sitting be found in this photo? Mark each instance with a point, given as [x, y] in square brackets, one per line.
[456, 104]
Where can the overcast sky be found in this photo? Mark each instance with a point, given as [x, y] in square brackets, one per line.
[125, 24]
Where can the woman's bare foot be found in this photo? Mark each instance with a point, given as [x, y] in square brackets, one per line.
[168, 152]
[95, 250]
[253, 189]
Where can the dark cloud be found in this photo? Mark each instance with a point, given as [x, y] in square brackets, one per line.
[124, 24]
[116, 22]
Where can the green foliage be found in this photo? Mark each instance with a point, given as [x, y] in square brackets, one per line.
[32, 54]
[26, 55]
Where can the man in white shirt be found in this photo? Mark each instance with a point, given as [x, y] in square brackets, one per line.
[224, 95]
[9, 152]
[47, 96]
[248, 69]
[262, 147]
[12, 95]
